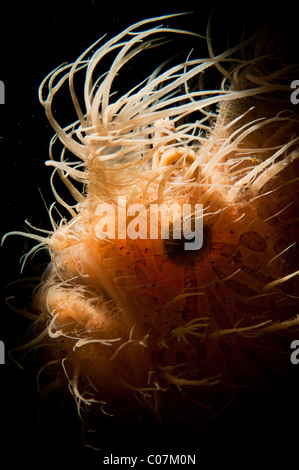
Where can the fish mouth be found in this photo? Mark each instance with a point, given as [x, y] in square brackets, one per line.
[90, 318]
[74, 280]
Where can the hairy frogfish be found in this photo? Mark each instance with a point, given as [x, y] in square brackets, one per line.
[133, 311]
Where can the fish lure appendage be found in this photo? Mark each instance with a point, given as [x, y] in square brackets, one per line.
[141, 320]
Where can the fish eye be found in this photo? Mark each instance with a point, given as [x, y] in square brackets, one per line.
[176, 251]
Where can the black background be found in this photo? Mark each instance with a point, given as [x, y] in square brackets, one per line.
[35, 38]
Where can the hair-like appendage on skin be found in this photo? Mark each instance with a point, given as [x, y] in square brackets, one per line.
[135, 320]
